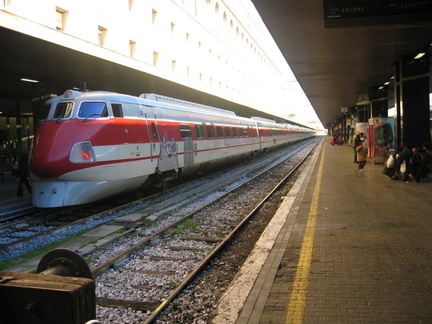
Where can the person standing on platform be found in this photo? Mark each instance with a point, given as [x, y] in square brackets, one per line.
[23, 171]
[361, 153]
[356, 142]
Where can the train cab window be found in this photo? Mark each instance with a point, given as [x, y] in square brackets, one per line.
[185, 131]
[63, 110]
[210, 131]
[154, 130]
[227, 132]
[93, 110]
[117, 110]
[219, 131]
[199, 131]
[234, 131]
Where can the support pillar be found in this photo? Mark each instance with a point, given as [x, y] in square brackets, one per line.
[413, 105]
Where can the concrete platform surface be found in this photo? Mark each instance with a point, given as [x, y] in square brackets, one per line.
[354, 247]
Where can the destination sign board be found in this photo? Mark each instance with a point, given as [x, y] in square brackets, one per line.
[345, 13]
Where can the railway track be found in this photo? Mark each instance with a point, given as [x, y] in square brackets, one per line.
[169, 242]
[11, 213]
[151, 269]
[59, 225]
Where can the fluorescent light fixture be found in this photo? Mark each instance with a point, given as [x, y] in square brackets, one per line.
[29, 80]
[387, 83]
[419, 55]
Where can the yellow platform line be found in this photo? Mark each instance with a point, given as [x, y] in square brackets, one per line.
[297, 301]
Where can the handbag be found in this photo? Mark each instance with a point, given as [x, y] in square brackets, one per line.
[403, 167]
[390, 162]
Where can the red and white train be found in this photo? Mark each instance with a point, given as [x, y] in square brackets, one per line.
[96, 144]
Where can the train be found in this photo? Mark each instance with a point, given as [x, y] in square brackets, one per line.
[96, 144]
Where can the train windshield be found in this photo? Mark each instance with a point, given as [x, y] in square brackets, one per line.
[63, 110]
[93, 110]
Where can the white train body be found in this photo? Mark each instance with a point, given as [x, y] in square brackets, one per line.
[97, 144]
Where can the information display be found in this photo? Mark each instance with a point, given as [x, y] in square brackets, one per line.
[340, 13]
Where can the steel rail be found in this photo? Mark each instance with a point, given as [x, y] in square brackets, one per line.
[222, 243]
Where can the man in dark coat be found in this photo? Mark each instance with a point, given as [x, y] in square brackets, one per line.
[23, 171]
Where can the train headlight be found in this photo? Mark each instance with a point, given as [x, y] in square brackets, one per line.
[82, 152]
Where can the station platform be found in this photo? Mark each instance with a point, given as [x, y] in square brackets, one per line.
[8, 190]
[346, 246]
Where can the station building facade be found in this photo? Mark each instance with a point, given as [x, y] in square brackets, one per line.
[220, 47]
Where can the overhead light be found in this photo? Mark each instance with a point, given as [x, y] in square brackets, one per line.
[419, 55]
[29, 80]
[386, 83]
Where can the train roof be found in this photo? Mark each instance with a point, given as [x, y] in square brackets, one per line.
[157, 100]
[186, 104]
[162, 102]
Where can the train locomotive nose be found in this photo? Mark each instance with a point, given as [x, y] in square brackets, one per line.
[50, 154]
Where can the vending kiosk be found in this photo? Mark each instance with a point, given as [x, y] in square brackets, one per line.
[381, 138]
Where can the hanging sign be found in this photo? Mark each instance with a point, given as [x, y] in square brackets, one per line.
[346, 13]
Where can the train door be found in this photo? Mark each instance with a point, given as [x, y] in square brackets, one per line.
[152, 131]
[168, 154]
[188, 145]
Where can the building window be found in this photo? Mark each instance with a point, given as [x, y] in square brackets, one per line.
[132, 46]
[60, 19]
[172, 29]
[173, 65]
[155, 58]
[101, 35]
[154, 15]
[131, 2]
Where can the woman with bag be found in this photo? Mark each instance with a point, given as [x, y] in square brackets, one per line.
[361, 154]
[356, 142]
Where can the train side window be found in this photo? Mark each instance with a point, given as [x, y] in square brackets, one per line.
[234, 130]
[210, 131]
[63, 110]
[130, 110]
[227, 132]
[245, 132]
[117, 110]
[185, 131]
[199, 130]
[154, 130]
[219, 131]
[240, 131]
[93, 110]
